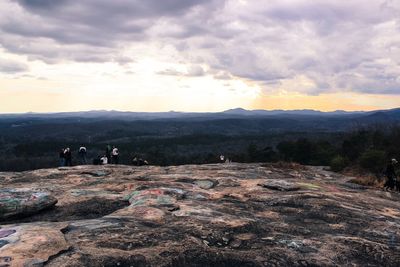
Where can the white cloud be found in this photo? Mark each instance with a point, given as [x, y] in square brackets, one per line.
[331, 45]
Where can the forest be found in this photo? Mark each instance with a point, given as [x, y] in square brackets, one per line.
[363, 140]
[367, 148]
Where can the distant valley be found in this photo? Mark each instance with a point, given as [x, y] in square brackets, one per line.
[32, 140]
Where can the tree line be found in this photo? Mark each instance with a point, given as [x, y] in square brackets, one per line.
[365, 148]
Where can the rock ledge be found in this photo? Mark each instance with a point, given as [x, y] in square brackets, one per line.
[200, 215]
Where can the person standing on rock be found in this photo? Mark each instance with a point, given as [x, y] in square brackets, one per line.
[82, 155]
[391, 181]
[62, 157]
[108, 153]
[68, 157]
[115, 155]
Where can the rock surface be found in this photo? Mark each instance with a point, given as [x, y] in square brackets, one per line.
[23, 202]
[207, 215]
[280, 185]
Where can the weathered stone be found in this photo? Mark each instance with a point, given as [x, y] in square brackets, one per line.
[6, 232]
[97, 173]
[3, 243]
[280, 185]
[160, 197]
[208, 215]
[205, 184]
[32, 245]
[23, 202]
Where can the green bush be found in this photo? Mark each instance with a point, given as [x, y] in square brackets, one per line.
[338, 163]
[373, 160]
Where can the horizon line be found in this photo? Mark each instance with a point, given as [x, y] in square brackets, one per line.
[199, 112]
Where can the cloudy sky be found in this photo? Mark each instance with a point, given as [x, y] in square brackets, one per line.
[199, 55]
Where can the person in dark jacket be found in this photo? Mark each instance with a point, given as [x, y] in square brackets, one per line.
[82, 155]
[68, 157]
[115, 155]
[108, 153]
[62, 158]
[391, 175]
[97, 161]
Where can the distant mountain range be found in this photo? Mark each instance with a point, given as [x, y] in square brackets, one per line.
[230, 122]
[391, 114]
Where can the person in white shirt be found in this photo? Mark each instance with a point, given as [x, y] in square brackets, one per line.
[104, 160]
[115, 155]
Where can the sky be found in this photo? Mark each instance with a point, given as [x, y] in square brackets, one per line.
[199, 55]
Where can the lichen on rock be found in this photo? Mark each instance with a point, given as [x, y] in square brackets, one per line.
[207, 215]
[23, 202]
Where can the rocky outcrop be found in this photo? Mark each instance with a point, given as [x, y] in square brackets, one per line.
[201, 215]
[23, 202]
[280, 185]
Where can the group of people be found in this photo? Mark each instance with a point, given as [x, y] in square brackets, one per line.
[111, 156]
[138, 161]
[392, 181]
[65, 156]
[222, 159]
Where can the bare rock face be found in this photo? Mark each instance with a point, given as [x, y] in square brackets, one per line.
[23, 202]
[206, 215]
[280, 185]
